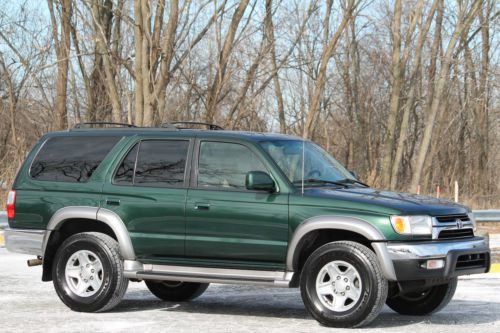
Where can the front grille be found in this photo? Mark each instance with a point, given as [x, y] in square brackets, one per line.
[456, 233]
[452, 218]
[466, 261]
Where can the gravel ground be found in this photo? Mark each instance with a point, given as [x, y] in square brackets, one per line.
[29, 305]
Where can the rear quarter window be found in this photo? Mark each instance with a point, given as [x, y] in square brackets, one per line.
[71, 159]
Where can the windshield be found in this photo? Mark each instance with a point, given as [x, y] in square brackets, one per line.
[318, 164]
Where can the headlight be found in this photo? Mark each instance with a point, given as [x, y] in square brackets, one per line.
[472, 218]
[412, 225]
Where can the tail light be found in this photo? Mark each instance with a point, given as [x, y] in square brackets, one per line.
[11, 202]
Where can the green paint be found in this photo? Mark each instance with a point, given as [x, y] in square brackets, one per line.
[240, 229]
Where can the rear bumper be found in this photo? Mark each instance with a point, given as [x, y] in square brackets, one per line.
[28, 241]
[461, 257]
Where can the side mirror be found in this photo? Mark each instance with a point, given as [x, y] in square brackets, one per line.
[259, 181]
[354, 174]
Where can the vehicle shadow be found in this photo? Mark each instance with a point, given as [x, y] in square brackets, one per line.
[227, 300]
[286, 303]
[457, 313]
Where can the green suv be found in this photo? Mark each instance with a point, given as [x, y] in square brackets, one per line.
[180, 208]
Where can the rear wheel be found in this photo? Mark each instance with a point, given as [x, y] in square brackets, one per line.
[342, 285]
[424, 302]
[88, 272]
[176, 291]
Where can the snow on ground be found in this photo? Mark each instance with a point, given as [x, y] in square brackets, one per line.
[29, 305]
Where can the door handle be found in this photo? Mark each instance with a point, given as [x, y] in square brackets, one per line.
[201, 206]
[113, 202]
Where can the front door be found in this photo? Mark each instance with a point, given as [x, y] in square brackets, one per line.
[225, 222]
[148, 191]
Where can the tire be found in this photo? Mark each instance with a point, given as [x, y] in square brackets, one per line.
[175, 291]
[342, 285]
[88, 272]
[424, 302]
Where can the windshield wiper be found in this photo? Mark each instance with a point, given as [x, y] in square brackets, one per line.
[322, 181]
[352, 181]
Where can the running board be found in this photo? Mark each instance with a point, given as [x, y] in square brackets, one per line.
[136, 270]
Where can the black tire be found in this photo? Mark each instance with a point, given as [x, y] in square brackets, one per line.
[424, 302]
[114, 284]
[370, 281]
[176, 291]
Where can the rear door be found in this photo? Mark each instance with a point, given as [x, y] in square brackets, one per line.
[148, 191]
[227, 224]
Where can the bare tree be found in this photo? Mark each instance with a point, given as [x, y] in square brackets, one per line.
[150, 87]
[403, 92]
[466, 16]
[410, 102]
[63, 10]
[322, 72]
[224, 55]
[269, 28]
[102, 16]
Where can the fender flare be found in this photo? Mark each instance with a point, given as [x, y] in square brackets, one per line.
[93, 213]
[353, 224]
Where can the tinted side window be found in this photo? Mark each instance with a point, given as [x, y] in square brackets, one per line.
[161, 163]
[125, 173]
[71, 159]
[225, 165]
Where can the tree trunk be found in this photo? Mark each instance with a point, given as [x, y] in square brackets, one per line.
[62, 45]
[396, 65]
[321, 80]
[102, 17]
[89, 91]
[410, 103]
[167, 57]
[269, 27]
[483, 143]
[465, 20]
[138, 34]
[151, 82]
[214, 90]
[76, 99]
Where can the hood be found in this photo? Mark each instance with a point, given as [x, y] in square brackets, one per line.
[403, 203]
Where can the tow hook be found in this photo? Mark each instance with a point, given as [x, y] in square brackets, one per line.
[35, 262]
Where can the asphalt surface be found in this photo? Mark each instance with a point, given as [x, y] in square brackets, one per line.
[29, 305]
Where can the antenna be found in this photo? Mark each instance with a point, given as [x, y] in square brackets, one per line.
[303, 158]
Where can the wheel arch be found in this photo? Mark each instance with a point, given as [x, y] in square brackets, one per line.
[322, 229]
[68, 221]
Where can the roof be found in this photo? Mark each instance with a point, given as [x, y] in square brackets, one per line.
[168, 132]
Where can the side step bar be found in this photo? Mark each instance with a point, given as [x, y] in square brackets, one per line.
[136, 270]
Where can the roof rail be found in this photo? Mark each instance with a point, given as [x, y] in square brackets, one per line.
[176, 124]
[92, 123]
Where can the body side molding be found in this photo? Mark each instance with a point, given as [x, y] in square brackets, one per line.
[93, 213]
[347, 223]
[137, 270]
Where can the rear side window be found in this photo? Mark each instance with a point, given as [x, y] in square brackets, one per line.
[154, 163]
[71, 159]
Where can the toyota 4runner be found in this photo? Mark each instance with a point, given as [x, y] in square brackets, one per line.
[181, 208]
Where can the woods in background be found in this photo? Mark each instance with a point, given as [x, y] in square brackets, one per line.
[405, 93]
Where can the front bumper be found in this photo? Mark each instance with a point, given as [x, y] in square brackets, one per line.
[28, 241]
[461, 257]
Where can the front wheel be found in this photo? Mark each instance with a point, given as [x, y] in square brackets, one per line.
[342, 285]
[424, 302]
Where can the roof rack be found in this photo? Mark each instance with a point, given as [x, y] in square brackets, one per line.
[92, 123]
[175, 124]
